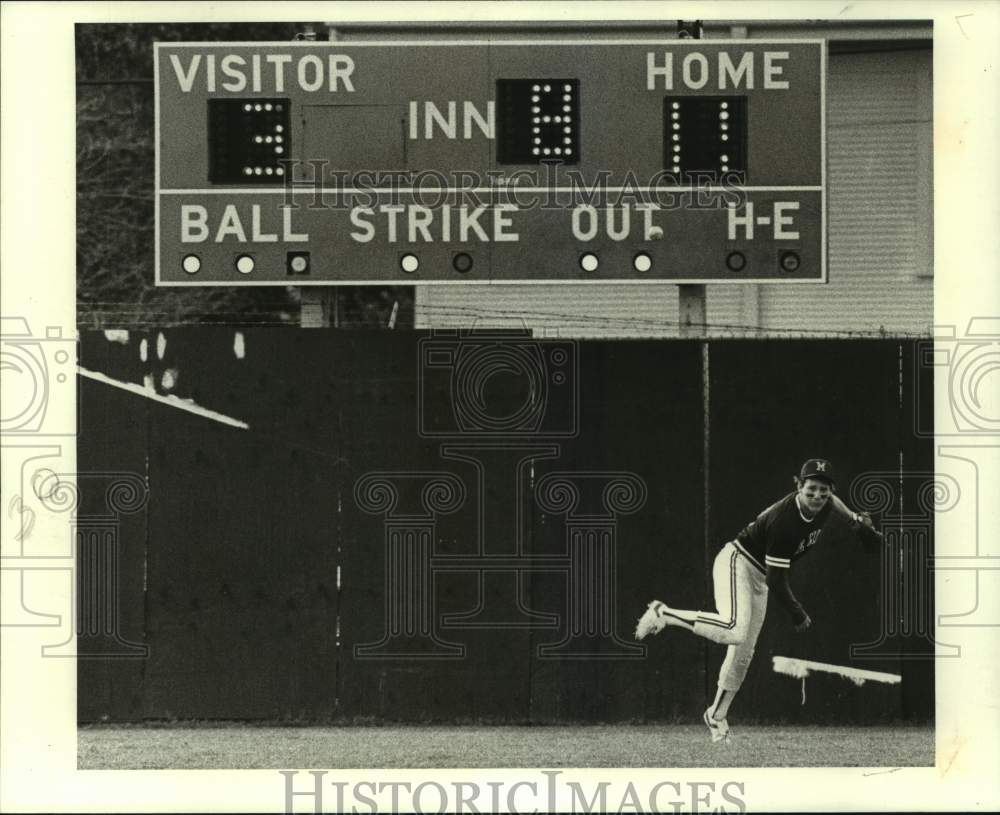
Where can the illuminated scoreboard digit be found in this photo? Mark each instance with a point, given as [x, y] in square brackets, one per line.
[490, 162]
[538, 119]
[247, 140]
[705, 136]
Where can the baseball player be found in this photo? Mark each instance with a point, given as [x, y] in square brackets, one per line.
[758, 560]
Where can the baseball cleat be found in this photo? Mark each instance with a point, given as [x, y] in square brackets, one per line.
[652, 621]
[719, 728]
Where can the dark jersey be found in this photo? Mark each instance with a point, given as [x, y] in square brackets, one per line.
[780, 535]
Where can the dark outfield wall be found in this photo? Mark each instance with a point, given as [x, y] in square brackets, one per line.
[389, 542]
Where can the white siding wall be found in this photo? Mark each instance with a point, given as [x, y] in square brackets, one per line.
[879, 141]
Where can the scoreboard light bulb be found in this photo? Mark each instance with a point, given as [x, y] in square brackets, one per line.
[589, 262]
[675, 115]
[538, 139]
[557, 151]
[279, 108]
[546, 119]
[409, 263]
[724, 157]
[676, 105]
[297, 263]
[790, 262]
[268, 106]
[568, 87]
[567, 108]
[724, 137]
[279, 149]
[535, 98]
[536, 130]
[535, 151]
[279, 129]
[280, 171]
[677, 148]
[548, 88]
[278, 139]
[724, 105]
[248, 108]
[462, 262]
[268, 139]
[642, 262]
[258, 139]
[269, 170]
[677, 126]
[191, 264]
[567, 97]
[567, 140]
[677, 136]
[248, 171]
[536, 88]
[724, 168]
[245, 264]
[723, 126]
[536, 110]
[257, 170]
[724, 114]
[567, 129]
[546, 151]
[736, 261]
[257, 108]
[568, 150]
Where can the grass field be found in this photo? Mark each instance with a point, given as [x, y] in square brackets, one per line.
[240, 746]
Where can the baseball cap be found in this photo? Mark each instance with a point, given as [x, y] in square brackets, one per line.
[817, 468]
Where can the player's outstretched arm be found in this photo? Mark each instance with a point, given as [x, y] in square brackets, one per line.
[842, 508]
[777, 581]
[869, 536]
[861, 524]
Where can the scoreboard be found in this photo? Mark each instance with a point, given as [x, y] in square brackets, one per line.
[314, 163]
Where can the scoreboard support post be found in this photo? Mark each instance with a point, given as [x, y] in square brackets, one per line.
[319, 307]
[691, 309]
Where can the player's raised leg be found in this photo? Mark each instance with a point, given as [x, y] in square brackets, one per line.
[731, 580]
[733, 597]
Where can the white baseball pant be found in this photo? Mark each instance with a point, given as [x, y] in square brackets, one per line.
[741, 599]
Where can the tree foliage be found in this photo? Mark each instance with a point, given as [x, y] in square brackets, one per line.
[114, 195]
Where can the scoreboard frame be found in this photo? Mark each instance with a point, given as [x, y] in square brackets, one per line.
[160, 192]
